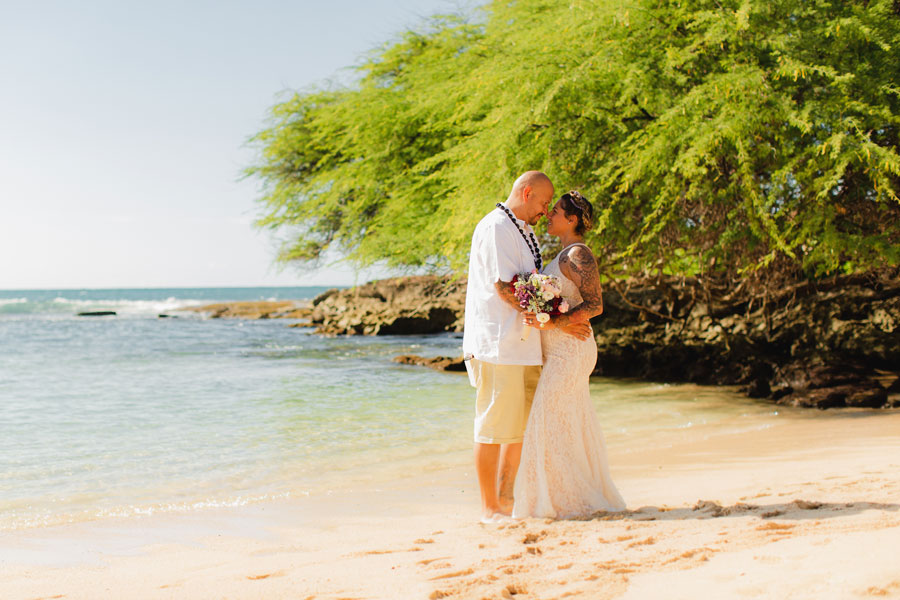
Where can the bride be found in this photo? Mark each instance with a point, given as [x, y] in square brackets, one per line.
[563, 472]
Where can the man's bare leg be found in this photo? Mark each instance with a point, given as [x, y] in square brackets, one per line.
[486, 460]
[510, 455]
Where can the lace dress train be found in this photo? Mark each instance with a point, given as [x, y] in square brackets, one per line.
[564, 472]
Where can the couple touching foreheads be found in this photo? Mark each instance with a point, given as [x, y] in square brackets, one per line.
[539, 450]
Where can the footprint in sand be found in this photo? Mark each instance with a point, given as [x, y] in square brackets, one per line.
[700, 554]
[513, 590]
[531, 538]
[454, 574]
[265, 575]
[776, 529]
[890, 589]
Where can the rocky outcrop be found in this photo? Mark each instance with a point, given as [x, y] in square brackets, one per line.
[438, 363]
[397, 306]
[264, 309]
[828, 344]
[824, 344]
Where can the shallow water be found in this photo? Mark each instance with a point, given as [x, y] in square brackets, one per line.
[135, 415]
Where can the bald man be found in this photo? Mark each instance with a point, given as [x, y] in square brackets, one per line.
[503, 368]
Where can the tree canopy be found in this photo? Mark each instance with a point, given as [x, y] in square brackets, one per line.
[716, 138]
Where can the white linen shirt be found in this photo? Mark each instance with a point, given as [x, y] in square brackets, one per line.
[493, 329]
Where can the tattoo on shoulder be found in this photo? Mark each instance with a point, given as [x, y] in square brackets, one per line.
[581, 256]
[581, 264]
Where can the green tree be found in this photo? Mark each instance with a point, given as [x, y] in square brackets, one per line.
[730, 140]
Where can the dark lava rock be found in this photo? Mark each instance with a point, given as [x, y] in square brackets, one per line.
[98, 313]
[865, 394]
[820, 344]
[324, 296]
[757, 388]
[397, 306]
[256, 309]
[440, 363]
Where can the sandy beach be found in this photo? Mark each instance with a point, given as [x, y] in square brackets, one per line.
[808, 508]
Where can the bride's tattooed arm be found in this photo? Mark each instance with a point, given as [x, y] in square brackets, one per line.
[579, 265]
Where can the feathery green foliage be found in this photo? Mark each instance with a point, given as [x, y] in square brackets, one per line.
[721, 138]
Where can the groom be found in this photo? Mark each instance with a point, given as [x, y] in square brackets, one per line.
[502, 367]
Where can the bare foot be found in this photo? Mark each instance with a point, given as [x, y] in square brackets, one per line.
[497, 517]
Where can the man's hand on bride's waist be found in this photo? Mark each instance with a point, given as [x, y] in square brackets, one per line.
[580, 329]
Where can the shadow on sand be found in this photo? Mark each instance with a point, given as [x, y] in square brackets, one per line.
[709, 509]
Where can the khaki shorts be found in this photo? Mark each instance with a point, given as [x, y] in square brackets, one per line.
[503, 400]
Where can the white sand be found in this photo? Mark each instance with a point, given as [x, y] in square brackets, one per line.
[806, 509]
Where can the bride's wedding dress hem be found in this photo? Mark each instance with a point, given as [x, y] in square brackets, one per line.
[563, 472]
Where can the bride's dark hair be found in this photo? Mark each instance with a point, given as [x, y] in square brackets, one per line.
[576, 205]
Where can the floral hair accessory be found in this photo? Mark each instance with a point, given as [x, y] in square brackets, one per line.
[579, 202]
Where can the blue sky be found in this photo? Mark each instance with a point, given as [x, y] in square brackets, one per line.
[123, 129]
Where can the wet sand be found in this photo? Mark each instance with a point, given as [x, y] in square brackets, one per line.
[806, 508]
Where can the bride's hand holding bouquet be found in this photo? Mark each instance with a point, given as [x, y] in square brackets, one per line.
[539, 295]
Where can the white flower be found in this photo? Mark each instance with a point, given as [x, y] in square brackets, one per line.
[563, 306]
[543, 317]
[548, 295]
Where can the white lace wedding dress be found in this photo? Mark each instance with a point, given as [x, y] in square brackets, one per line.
[564, 471]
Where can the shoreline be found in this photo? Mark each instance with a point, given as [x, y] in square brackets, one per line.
[798, 507]
[819, 344]
[639, 419]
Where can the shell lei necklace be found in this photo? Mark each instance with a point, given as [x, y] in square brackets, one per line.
[531, 243]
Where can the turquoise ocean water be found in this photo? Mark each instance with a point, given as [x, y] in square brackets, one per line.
[134, 414]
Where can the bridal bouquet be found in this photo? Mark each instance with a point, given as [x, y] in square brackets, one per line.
[540, 294]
